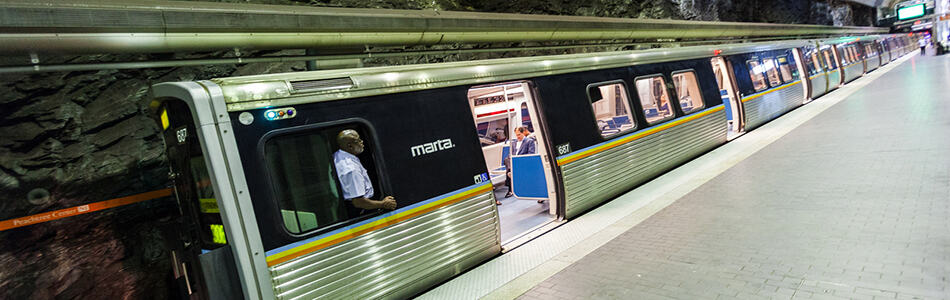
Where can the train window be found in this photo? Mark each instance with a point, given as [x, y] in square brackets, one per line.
[755, 72]
[654, 98]
[788, 73]
[845, 56]
[813, 63]
[687, 89]
[829, 59]
[494, 131]
[304, 177]
[770, 70]
[611, 106]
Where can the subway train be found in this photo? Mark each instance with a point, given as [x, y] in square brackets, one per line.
[252, 157]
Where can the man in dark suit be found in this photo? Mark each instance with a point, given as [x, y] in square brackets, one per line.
[522, 145]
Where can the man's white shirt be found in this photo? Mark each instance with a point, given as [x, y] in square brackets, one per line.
[353, 177]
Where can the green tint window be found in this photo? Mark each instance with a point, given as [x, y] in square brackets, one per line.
[302, 172]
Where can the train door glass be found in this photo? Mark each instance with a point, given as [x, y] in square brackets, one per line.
[201, 227]
[512, 139]
[727, 92]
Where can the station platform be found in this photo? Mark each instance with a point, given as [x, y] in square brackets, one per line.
[847, 197]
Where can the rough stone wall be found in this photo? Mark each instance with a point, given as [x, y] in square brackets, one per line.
[87, 137]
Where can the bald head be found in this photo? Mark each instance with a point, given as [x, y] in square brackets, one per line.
[349, 141]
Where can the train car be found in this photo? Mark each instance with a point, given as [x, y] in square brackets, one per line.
[885, 52]
[821, 63]
[872, 55]
[769, 83]
[262, 164]
[851, 59]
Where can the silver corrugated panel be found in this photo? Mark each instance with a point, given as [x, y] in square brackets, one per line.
[834, 80]
[853, 71]
[873, 62]
[819, 86]
[772, 105]
[398, 261]
[595, 179]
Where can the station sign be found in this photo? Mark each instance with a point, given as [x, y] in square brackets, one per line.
[911, 12]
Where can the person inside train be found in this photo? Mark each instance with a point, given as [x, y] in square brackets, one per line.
[357, 187]
[523, 143]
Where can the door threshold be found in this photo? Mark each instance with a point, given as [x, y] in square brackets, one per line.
[731, 136]
[531, 234]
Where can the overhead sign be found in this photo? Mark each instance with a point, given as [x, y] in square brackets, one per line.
[910, 12]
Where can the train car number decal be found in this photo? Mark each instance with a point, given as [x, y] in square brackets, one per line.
[563, 148]
[182, 134]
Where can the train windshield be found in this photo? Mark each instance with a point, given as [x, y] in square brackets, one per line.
[193, 185]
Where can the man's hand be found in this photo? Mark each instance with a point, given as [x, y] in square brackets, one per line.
[388, 203]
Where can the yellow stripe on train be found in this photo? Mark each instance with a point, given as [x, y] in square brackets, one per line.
[771, 91]
[573, 157]
[370, 227]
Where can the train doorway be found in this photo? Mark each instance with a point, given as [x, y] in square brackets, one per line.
[516, 158]
[735, 119]
[803, 73]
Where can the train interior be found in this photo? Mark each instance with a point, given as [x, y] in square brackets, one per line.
[521, 174]
[727, 90]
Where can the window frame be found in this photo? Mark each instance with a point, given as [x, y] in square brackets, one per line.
[269, 173]
[630, 108]
[702, 101]
[665, 87]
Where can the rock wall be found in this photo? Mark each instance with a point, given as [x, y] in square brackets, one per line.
[75, 138]
[87, 137]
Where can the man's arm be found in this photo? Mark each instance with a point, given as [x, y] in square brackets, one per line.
[532, 147]
[388, 203]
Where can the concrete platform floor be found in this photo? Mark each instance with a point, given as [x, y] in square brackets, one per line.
[847, 197]
[854, 204]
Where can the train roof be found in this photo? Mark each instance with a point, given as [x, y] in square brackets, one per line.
[270, 90]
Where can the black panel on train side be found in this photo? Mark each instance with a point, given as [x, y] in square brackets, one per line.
[568, 110]
[741, 69]
[400, 121]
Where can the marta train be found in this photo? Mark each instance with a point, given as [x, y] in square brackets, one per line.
[252, 157]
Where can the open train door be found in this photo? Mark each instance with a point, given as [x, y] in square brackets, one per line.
[735, 118]
[521, 171]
